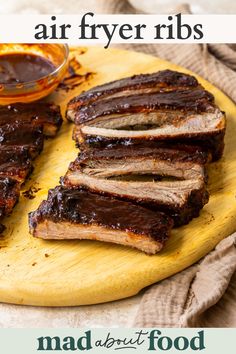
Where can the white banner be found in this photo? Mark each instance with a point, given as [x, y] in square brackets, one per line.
[86, 29]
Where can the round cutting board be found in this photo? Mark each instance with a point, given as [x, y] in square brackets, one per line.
[68, 273]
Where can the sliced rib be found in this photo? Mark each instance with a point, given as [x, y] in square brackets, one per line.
[127, 160]
[162, 105]
[22, 134]
[80, 214]
[22, 130]
[165, 80]
[44, 114]
[175, 187]
[204, 130]
[15, 162]
[9, 195]
[165, 106]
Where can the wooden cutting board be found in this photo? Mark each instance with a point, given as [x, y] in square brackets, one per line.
[67, 273]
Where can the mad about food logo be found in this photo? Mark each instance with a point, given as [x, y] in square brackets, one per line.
[147, 341]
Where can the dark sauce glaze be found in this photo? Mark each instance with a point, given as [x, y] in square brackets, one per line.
[15, 162]
[84, 207]
[195, 100]
[21, 134]
[9, 194]
[173, 152]
[164, 78]
[212, 143]
[38, 113]
[19, 68]
[14, 153]
[5, 185]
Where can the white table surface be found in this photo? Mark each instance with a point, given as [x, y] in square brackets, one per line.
[115, 314]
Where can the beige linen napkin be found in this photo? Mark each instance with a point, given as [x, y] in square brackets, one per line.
[203, 295]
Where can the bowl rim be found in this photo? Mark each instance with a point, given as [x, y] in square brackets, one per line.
[30, 83]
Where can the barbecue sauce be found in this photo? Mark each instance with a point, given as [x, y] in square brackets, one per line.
[23, 67]
[88, 208]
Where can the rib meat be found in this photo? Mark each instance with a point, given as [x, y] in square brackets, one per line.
[166, 80]
[80, 214]
[126, 111]
[9, 194]
[15, 162]
[121, 155]
[169, 184]
[205, 130]
[23, 134]
[157, 110]
[142, 161]
[22, 130]
[43, 114]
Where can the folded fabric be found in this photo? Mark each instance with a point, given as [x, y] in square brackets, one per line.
[200, 296]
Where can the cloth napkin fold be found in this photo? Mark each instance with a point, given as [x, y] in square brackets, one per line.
[200, 296]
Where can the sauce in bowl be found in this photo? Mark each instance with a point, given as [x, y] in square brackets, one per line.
[29, 72]
[20, 68]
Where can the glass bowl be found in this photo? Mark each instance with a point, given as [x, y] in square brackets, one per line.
[34, 90]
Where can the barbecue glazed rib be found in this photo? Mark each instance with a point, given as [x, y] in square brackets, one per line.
[15, 162]
[146, 108]
[156, 110]
[43, 114]
[21, 134]
[22, 130]
[166, 80]
[206, 131]
[80, 214]
[128, 157]
[9, 194]
[168, 185]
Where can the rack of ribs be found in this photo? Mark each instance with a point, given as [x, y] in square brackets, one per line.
[22, 131]
[145, 143]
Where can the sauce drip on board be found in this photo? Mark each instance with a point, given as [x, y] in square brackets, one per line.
[23, 67]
